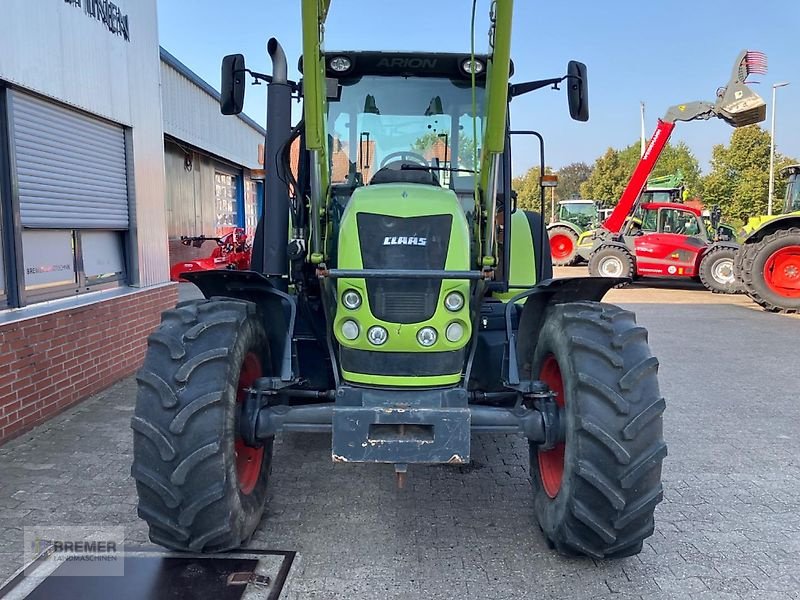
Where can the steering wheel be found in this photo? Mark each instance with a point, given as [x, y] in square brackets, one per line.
[404, 155]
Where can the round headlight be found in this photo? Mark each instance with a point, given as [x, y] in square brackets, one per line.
[350, 330]
[472, 66]
[454, 301]
[351, 299]
[454, 332]
[427, 336]
[340, 64]
[377, 335]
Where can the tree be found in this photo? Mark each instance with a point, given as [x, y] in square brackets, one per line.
[435, 145]
[570, 178]
[739, 177]
[613, 170]
[528, 194]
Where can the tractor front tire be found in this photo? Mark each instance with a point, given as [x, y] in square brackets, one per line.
[612, 261]
[770, 270]
[717, 271]
[201, 489]
[595, 493]
[563, 246]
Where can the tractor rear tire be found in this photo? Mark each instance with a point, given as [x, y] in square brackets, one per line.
[595, 493]
[770, 271]
[201, 489]
[717, 271]
[563, 246]
[612, 261]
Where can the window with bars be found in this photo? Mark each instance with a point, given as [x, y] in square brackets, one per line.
[225, 202]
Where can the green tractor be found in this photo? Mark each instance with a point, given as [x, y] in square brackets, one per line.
[574, 217]
[768, 262]
[398, 302]
[667, 188]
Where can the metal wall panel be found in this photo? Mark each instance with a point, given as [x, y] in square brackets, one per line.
[55, 49]
[191, 114]
[190, 192]
[70, 167]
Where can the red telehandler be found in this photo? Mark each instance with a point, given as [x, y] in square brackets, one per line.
[671, 239]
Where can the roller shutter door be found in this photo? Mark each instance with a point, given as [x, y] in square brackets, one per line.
[71, 168]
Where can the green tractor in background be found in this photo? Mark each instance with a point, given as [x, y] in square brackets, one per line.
[667, 188]
[768, 262]
[574, 217]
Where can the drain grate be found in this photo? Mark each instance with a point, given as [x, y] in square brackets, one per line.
[154, 574]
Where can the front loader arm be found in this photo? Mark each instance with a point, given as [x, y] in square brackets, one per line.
[314, 13]
[495, 123]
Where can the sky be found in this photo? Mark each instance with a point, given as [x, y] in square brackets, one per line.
[657, 52]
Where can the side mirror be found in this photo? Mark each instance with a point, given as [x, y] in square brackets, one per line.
[233, 79]
[577, 91]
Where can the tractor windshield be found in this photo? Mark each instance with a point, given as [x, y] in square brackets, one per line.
[580, 213]
[413, 122]
[792, 195]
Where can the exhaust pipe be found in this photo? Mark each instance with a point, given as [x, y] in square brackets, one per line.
[279, 69]
[275, 209]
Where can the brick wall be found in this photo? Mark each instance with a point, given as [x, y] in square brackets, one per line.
[51, 362]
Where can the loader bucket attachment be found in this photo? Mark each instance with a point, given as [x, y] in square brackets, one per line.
[736, 103]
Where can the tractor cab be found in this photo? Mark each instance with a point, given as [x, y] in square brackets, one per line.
[404, 119]
[792, 201]
[583, 213]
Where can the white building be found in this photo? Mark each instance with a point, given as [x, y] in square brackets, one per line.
[97, 172]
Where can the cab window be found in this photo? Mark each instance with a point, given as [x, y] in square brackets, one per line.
[671, 220]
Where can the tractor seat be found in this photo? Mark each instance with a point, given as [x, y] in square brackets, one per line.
[395, 173]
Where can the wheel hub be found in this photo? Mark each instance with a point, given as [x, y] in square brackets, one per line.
[248, 459]
[551, 462]
[782, 272]
[561, 246]
[723, 271]
[611, 267]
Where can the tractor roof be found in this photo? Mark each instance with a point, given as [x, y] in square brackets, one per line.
[577, 201]
[678, 205]
[404, 64]
[790, 170]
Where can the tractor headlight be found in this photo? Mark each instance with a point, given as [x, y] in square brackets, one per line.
[470, 66]
[350, 330]
[377, 335]
[351, 299]
[427, 336]
[454, 332]
[340, 64]
[454, 301]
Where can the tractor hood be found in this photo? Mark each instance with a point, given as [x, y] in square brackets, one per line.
[403, 226]
[756, 224]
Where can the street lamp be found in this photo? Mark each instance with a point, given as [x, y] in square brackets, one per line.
[775, 86]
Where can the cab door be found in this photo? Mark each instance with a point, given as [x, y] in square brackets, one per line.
[673, 248]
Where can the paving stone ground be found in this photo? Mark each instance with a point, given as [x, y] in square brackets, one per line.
[729, 526]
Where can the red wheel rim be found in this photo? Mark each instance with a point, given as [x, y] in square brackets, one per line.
[561, 246]
[551, 462]
[782, 272]
[248, 460]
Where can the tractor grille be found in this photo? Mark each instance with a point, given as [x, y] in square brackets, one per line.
[403, 243]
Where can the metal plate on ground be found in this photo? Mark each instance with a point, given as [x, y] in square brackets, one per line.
[151, 573]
